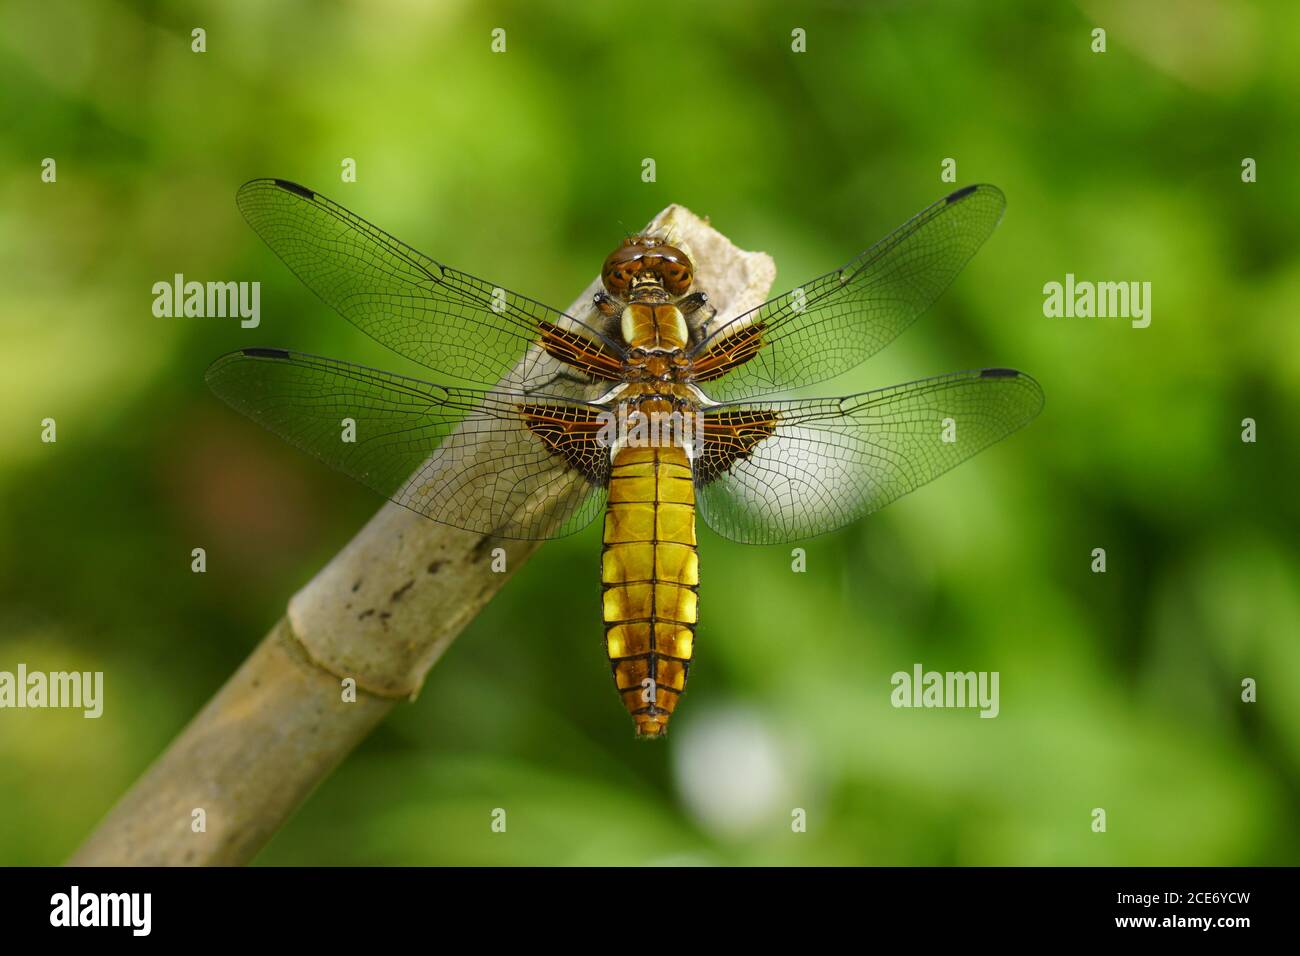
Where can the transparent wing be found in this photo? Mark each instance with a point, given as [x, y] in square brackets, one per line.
[502, 463]
[435, 315]
[834, 322]
[773, 472]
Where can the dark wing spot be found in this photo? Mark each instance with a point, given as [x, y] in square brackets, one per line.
[265, 353]
[999, 373]
[958, 195]
[294, 188]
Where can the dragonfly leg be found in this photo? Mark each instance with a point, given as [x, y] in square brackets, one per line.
[606, 305]
[690, 304]
[697, 304]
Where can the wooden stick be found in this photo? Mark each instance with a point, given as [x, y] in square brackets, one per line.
[381, 612]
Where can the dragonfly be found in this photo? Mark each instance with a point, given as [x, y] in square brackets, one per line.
[647, 407]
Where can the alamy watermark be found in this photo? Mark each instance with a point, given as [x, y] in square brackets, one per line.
[179, 298]
[922, 688]
[133, 911]
[61, 689]
[633, 428]
[1103, 300]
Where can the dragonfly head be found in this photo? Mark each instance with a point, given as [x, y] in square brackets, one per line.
[647, 262]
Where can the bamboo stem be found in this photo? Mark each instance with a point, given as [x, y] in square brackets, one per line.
[381, 612]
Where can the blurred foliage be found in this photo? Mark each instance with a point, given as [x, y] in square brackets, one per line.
[1119, 690]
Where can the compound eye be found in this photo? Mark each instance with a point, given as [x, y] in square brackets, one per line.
[619, 269]
[674, 269]
[678, 283]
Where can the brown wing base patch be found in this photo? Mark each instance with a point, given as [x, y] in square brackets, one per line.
[581, 352]
[730, 437]
[573, 434]
[728, 353]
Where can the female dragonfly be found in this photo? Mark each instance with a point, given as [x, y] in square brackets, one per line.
[648, 407]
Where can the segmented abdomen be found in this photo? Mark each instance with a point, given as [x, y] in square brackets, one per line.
[650, 575]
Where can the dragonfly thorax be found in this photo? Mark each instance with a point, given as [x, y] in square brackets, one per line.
[654, 327]
[655, 365]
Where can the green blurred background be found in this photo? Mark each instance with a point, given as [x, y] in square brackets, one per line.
[1119, 690]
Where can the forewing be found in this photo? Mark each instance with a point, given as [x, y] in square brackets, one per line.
[502, 463]
[774, 472]
[440, 317]
[834, 322]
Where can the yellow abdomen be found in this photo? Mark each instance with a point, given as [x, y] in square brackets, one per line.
[650, 575]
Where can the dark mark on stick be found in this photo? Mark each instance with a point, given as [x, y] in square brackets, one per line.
[482, 548]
